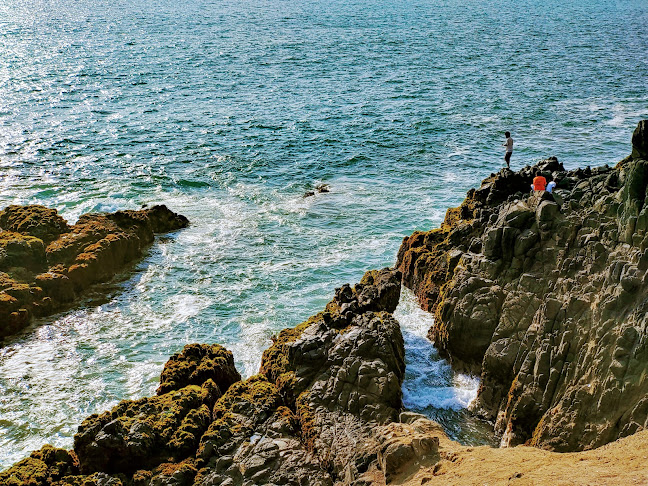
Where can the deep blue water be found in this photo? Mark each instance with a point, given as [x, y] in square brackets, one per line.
[228, 111]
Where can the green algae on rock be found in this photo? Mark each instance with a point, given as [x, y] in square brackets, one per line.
[196, 364]
[141, 434]
[45, 466]
[326, 386]
[45, 263]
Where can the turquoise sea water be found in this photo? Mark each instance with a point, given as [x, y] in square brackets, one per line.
[228, 111]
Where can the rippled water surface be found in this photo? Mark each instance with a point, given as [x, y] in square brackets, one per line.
[228, 112]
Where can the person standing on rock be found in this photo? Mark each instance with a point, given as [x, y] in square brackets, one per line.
[509, 149]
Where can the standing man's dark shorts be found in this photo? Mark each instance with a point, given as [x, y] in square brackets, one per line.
[507, 158]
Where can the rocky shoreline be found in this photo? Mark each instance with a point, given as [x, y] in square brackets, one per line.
[46, 264]
[541, 295]
[325, 409]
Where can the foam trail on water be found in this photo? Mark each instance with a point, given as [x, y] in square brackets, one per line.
[429, 379]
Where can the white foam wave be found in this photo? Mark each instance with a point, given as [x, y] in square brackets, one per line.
[429, 379]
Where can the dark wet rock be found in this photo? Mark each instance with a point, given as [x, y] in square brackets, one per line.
[550, 307]
[46, 263]
[323, 188]
[320, 188]
[640, 141]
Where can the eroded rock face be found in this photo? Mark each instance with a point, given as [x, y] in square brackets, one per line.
[45, 263]
[544, 296]
[318, 413]
[325, 386]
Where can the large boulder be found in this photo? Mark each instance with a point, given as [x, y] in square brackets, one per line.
[18, 250]
[196, 364]
[42, 468]
[144, 433]
[34, 220]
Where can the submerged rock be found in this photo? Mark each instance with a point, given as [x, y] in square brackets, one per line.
[45, 263]
[544, 296]
[320, 188]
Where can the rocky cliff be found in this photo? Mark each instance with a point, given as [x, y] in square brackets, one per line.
[545, 296]
[45, 263]
[321, 411]
[541, 294]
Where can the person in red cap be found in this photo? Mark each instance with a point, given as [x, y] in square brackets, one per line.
[539, 183]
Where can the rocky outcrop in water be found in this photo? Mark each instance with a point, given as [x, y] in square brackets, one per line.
[320, 411]
[45, 263]
[544, 296]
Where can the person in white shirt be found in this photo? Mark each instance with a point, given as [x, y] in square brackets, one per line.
[509, 149]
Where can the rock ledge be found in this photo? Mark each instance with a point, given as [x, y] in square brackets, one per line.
[45, 263]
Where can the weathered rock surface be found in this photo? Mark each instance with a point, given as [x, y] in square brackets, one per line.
[318, 413]
[196, 364]
[542, 294]
[545, 297]
[45, 263]
[324, 387]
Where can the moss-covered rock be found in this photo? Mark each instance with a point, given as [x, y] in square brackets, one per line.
[275, 361]
[18, 250]
[245, 404]
[196, 364]
[34, 220]
[144, 433]
[340, 370]
[54, 262]
[42, 468]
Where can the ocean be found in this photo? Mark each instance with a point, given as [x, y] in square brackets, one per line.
[228, 112]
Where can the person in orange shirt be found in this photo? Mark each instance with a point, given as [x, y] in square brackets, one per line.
[539, 183]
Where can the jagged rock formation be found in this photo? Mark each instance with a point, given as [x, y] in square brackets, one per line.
[45, 263]
[320, 412]
[545, 296]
